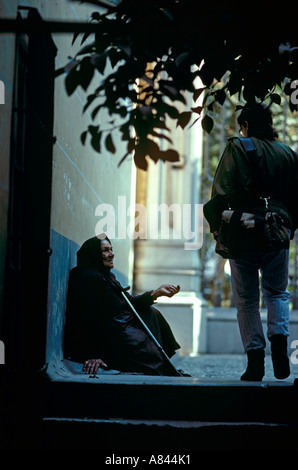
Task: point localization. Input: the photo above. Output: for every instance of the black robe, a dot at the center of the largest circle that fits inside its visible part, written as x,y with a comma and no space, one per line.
100,325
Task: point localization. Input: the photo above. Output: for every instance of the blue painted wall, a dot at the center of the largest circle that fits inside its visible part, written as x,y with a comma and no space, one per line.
62,260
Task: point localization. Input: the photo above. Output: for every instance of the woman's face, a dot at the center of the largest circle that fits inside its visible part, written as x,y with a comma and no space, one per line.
107,254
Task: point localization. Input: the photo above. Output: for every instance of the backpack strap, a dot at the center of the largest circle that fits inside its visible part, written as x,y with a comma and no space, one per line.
261,187
247,143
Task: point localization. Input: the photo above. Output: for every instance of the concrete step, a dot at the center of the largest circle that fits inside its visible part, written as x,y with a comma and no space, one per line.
71,395
147,439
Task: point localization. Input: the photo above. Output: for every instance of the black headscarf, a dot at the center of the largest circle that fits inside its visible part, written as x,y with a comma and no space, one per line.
89,255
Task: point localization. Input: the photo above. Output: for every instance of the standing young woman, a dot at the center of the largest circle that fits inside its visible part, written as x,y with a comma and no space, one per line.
246,188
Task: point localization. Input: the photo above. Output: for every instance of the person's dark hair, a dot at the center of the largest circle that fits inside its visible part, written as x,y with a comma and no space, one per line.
259,118
88,255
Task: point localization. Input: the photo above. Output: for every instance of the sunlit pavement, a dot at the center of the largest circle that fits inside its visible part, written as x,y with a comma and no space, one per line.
226,367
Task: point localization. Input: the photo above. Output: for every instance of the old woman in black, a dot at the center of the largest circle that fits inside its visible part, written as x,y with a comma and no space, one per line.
101,330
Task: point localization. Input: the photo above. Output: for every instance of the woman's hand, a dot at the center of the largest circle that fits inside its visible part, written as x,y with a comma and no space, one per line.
91,366
167,290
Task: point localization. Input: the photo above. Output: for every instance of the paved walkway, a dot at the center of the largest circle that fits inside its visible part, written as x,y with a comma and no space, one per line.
225,366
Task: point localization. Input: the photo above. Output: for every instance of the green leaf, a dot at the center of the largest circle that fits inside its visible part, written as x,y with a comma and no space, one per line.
72,80
71,64
95,111
183,119
140,159
168,88
275,98
287,89
160,136
131,145
95,141
207,123
152,149
182,59
85,36
115,56
87,49
86,73
167,108
83,137
198,93
93,129
220,96
198,109
90,99
124,129
235,83
169,156
75,35
99,61
59,71
95,137
110,144
159,123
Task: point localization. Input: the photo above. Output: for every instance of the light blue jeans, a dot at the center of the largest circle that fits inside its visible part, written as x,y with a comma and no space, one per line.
274,268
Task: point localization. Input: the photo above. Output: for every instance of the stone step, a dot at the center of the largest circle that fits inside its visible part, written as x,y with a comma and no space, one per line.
146,440
71,395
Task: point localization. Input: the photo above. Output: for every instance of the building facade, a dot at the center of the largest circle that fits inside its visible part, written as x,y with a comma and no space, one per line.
57,192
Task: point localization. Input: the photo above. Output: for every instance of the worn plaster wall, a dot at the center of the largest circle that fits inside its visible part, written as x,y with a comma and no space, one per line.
82,181
82,178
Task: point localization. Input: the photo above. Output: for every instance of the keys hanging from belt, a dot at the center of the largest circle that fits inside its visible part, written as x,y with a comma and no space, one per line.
266,199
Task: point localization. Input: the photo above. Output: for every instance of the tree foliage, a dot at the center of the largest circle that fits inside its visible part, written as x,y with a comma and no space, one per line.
149,54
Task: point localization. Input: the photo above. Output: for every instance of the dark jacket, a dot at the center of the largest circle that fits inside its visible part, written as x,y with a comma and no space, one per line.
235,184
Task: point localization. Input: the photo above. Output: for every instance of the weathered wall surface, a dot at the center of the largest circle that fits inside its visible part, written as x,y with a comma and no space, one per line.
82,178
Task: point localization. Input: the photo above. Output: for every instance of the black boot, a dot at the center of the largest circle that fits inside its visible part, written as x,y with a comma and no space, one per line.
256,365
280,360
